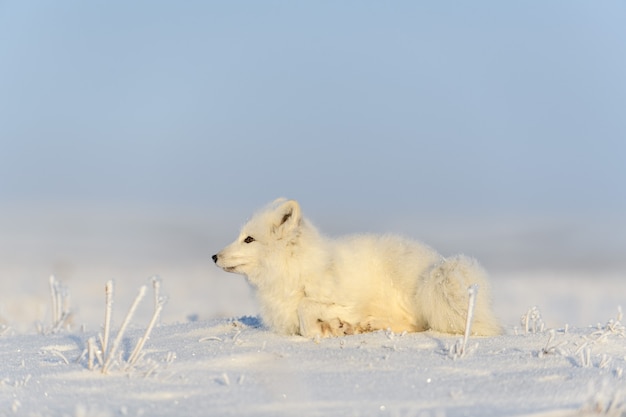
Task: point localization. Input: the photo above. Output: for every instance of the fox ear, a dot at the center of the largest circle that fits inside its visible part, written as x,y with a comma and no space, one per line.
287,217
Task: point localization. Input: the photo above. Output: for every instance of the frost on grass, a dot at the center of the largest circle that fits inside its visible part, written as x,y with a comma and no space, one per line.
613,328
460,348
552,347
532,322
61,314
580,352
104,357
101,353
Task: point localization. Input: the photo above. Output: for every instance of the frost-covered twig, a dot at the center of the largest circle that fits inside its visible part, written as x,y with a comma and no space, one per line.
459,349
108,355
585,357
532,321
120,333
135,354
550,348
613,327
156,286
60,298
108,291
473,293
158,306
91,352
54,295
59,355
605,360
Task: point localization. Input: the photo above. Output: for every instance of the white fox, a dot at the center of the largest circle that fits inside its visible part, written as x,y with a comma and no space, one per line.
313,286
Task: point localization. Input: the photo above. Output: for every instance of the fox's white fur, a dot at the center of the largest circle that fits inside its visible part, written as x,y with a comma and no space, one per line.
311,285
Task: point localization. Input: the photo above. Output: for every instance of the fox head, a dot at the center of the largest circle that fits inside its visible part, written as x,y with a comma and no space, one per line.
262,241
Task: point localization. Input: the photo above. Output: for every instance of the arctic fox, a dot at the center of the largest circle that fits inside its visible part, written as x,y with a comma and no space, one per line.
314,286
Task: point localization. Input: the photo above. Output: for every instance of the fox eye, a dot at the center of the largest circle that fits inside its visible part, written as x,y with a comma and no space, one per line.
249,239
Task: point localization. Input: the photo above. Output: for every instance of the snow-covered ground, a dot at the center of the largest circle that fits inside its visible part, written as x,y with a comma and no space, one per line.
210,355
235,367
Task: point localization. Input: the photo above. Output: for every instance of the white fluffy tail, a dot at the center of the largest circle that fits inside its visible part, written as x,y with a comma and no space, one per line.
444,298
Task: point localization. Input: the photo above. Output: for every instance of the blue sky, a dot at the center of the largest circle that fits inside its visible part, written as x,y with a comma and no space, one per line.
405,107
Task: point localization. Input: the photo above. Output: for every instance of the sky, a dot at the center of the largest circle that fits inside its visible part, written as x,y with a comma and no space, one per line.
495,108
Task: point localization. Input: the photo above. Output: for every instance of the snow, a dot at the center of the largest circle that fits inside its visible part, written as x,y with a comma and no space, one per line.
209,354
236,367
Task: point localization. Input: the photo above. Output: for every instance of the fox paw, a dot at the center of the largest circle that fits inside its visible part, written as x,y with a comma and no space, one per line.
336,327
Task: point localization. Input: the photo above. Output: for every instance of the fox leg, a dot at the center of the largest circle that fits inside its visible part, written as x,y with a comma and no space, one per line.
323,319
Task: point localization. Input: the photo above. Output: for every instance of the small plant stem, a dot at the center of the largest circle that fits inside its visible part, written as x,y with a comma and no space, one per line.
156,285
135,355
472,291
91,352
526,321
55,300
60,355
108,290
120,333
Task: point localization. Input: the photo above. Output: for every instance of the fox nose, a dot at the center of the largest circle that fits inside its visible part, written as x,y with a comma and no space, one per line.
214,258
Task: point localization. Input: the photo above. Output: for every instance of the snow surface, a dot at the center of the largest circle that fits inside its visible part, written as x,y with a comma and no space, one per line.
235,366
